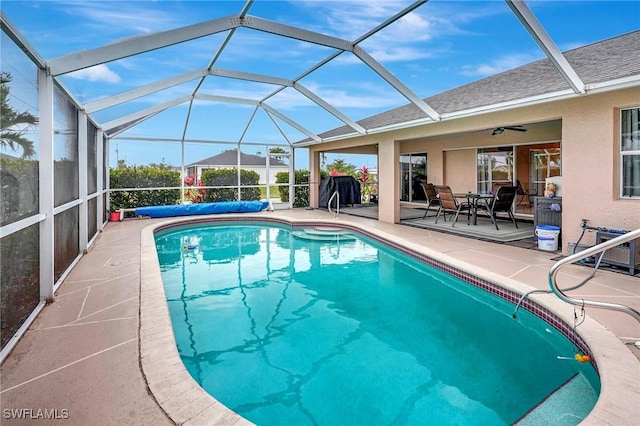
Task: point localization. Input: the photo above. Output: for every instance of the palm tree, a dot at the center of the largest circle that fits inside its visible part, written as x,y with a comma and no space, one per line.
277,150
14,124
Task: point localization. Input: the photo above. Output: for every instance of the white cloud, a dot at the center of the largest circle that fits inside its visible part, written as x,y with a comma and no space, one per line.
96,73
421,34
136,16
358,94
401,53
355,95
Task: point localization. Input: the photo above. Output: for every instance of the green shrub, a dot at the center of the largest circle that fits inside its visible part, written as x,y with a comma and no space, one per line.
156,177
229,177
301,193
143,177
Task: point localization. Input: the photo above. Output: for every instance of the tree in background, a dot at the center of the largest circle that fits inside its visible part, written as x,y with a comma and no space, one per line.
277,150
14,124
341,167
163,165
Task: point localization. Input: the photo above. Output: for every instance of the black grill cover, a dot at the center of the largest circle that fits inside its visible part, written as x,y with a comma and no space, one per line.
347,186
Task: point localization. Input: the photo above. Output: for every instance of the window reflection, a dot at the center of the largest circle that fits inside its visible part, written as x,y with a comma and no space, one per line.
20,278
19,142
65,149
66,245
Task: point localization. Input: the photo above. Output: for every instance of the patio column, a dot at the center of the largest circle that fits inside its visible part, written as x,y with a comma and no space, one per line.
388,192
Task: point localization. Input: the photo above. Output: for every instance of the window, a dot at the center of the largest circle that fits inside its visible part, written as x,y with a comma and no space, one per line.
630,152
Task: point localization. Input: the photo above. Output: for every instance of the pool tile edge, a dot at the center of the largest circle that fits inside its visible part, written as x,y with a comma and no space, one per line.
168,381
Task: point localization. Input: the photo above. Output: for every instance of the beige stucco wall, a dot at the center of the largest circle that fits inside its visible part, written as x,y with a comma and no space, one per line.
590,151
587,127
456,172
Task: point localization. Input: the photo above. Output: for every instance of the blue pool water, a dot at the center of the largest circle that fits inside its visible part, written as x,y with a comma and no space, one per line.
288,330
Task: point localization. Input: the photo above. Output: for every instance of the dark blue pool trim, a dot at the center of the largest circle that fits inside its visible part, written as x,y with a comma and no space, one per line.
541,312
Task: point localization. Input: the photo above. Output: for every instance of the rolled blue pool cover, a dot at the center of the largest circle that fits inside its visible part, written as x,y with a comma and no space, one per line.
202,208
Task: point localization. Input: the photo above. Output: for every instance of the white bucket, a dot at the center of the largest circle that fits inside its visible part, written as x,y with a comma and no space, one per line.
547,237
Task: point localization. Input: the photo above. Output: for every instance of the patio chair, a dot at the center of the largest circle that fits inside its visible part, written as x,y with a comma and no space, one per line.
522,193
449,203
431,196
502,202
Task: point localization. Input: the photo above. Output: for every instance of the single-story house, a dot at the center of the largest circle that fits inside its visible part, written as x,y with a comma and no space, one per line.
531,123
267,167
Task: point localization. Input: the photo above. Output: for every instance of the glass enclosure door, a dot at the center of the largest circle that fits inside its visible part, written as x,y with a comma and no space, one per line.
278,165
494,167
413,171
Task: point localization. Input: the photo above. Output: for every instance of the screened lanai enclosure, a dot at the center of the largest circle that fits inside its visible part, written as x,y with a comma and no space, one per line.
119,105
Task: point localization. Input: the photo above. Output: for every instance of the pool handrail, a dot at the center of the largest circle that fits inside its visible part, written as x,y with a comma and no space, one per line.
335,195
573,287
599,248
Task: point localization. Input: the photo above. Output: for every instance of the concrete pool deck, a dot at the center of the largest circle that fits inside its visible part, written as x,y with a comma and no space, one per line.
102,353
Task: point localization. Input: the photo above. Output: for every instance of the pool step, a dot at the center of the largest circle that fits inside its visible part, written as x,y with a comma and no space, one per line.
566,406
324,234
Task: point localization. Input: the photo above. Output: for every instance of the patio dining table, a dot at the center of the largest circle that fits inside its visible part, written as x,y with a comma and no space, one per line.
473,199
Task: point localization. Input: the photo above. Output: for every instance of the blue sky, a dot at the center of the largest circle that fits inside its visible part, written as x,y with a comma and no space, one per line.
439,46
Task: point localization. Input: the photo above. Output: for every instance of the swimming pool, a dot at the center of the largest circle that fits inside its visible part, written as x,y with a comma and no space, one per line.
282,326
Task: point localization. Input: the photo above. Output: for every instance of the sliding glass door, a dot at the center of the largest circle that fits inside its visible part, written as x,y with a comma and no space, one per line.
544,163
413,171
494,167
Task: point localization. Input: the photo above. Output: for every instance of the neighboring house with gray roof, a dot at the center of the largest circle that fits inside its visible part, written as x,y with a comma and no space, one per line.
229,160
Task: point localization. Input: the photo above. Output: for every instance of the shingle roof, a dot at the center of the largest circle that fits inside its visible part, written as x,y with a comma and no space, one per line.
599,62
230,158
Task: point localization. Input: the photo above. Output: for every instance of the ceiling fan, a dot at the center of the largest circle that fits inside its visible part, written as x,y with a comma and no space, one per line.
500,130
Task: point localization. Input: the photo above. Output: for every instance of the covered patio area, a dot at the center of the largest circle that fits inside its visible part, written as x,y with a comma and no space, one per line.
523,236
